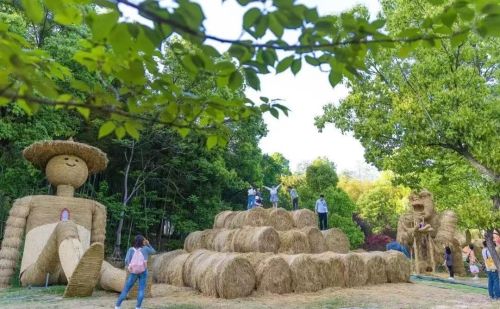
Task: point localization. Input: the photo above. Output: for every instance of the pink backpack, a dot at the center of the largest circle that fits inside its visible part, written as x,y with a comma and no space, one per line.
137,265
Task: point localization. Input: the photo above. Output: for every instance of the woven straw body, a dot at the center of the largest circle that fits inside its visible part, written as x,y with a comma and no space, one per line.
85,277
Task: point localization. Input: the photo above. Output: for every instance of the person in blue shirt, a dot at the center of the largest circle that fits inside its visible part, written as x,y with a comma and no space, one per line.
322,210
141,244
394,245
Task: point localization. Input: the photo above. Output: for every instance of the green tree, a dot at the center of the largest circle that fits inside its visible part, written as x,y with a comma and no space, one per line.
134,89
429,109
383,203
321,175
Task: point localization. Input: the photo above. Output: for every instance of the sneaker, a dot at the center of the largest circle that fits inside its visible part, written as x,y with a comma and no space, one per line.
451,278
116,307
475,278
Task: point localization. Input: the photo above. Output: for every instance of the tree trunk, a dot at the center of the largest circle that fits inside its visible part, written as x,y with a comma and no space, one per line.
489,237
117,254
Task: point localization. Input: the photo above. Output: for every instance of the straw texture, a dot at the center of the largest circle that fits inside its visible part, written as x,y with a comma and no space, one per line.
14,230
280,219
315,239
161,263
293,242
304,217
336,240
40,153
398,267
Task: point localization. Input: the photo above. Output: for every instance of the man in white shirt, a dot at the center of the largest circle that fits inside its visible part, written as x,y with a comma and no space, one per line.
251,197
322,210
295,198
492,272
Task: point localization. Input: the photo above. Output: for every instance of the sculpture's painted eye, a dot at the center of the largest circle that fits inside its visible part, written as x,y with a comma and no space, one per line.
66,159
76,160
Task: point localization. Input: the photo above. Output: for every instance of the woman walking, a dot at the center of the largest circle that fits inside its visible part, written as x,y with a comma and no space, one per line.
448,261
136,262
273,191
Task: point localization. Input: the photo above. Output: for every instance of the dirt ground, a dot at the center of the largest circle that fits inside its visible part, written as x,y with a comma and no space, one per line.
406,295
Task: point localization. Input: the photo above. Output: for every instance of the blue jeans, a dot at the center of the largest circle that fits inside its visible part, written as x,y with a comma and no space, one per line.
143,279
493,284
251,201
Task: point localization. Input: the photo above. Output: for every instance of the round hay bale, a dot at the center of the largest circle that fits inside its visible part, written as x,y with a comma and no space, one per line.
293,242
273,275
304,217
376,267
193,241
356,273
221,218
160,264
200,240
203,272
336,240
256,239
306,275
188,270
253,217
315,238
280,219
398,266
218,274
255,258
237,220
223,241
332,269
175,269
235,277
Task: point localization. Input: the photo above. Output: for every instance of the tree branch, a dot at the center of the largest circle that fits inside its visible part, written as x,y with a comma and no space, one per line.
183,28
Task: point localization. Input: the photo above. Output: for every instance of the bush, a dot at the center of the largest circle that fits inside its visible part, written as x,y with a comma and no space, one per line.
376,242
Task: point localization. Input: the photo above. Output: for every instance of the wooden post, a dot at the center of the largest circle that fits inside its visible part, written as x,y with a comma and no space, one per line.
431,248
417,268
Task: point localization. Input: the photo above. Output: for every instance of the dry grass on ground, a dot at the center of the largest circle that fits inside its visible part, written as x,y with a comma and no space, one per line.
402,295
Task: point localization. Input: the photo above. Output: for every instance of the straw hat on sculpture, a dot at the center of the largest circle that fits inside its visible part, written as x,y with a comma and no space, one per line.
63,235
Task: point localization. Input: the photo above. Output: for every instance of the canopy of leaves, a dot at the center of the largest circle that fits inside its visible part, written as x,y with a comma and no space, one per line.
428,108
133,89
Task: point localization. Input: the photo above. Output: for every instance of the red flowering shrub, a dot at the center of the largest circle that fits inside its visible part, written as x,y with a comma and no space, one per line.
376,242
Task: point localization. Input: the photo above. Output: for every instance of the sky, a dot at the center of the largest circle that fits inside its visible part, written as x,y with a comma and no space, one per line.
295,136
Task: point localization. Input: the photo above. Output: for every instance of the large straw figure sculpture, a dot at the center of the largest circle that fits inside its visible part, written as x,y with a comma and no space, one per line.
64,235
428,232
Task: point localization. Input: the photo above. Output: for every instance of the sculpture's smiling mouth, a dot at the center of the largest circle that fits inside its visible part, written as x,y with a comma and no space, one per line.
72,165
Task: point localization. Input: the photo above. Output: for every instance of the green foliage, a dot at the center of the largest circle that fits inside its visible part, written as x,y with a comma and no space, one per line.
321,175
383,203
432,111
321,178
133,89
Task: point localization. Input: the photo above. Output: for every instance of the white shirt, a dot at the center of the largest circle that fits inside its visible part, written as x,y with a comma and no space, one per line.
321,206
486,255
293,193
251,191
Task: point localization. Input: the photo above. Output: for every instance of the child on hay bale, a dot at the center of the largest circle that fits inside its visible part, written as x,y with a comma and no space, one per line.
136,261
273,191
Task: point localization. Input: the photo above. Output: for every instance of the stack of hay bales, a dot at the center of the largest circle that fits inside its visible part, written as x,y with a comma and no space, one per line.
273,251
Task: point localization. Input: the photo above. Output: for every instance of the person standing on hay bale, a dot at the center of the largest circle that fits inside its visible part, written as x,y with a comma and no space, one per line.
273,191
64,241
295,197
321,209
136,261
251,197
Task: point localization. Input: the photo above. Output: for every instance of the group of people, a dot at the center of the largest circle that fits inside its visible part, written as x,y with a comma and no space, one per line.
254,199
470,257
